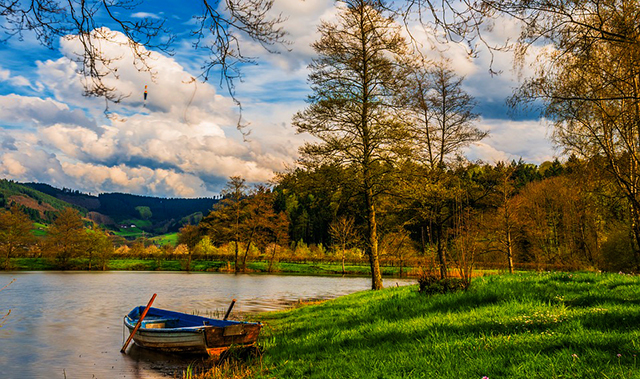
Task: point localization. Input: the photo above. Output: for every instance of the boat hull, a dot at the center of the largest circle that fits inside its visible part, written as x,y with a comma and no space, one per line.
183,333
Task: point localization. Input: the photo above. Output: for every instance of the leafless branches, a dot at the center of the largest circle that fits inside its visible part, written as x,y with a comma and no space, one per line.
220,29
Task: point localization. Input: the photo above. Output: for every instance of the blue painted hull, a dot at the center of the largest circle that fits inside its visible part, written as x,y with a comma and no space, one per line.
185,333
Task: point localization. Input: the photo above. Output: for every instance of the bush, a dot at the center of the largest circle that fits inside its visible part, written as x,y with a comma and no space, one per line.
617,250
430,284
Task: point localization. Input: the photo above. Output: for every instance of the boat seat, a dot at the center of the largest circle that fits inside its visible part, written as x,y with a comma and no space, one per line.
158,323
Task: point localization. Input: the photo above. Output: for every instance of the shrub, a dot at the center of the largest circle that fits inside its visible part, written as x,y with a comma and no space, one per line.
617,250
430,284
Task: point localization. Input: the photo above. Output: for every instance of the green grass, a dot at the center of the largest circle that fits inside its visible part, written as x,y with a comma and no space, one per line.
133,232
32,264
136,222
39,230
552,325
165,239
129,232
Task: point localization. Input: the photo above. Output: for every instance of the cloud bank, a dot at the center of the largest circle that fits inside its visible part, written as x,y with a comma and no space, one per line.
182,141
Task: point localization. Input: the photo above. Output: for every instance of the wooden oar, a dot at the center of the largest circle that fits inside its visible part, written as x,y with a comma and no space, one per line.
142,316
229,310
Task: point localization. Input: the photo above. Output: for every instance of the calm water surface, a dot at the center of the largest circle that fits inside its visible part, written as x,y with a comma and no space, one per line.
70,323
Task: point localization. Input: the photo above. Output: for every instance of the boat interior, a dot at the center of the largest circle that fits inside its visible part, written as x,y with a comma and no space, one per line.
163,319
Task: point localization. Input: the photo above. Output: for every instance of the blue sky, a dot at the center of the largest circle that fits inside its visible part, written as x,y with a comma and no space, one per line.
183,142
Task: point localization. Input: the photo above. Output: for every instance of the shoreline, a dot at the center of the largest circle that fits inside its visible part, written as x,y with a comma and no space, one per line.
257,267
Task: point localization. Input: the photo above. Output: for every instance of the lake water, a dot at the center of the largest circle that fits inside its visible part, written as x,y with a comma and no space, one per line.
69,324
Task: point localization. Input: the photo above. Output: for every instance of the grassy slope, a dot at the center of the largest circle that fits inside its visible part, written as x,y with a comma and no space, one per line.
165,239
9,189
522,326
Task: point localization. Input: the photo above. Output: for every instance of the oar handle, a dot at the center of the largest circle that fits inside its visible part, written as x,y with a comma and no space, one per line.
142,316
233,302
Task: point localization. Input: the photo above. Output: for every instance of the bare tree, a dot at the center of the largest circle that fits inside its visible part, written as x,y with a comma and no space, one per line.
343,232
501,226
352,111
441,116
441,113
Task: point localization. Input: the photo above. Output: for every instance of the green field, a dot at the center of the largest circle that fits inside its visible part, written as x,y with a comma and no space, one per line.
551,325
165,239
134,231
39,230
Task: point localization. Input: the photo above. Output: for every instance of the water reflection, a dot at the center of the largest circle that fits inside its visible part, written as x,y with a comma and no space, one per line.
70,323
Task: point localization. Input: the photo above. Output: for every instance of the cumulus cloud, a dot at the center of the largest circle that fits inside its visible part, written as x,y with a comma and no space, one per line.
181,142
34,111
15,80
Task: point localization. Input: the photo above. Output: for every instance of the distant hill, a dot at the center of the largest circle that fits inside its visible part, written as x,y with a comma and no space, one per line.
156,215
40,206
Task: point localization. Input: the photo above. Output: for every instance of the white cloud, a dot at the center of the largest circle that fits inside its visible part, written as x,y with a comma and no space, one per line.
145,15
15,80
34,111
182,142
510,140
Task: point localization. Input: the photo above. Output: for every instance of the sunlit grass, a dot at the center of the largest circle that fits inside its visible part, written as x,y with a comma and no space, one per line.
552,325
165,239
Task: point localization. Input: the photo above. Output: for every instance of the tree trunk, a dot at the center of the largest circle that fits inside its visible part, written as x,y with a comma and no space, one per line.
343,253
273,255
244,258
509,252
372,243
236,266
442,258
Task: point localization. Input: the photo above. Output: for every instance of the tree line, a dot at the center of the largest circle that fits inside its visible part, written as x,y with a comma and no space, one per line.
509,216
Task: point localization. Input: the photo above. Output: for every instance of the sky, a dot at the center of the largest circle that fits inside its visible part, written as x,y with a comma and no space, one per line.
183,141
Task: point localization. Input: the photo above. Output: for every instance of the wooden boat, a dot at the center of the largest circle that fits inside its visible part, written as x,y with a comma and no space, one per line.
184,333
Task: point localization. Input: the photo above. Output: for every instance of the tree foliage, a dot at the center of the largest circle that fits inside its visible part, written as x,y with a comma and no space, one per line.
67,237
355,80
590,85
15,233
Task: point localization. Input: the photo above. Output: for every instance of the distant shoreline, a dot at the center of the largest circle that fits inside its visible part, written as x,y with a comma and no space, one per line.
257,267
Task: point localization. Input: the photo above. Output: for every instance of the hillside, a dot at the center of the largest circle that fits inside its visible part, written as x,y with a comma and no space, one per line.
132,214
38,205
